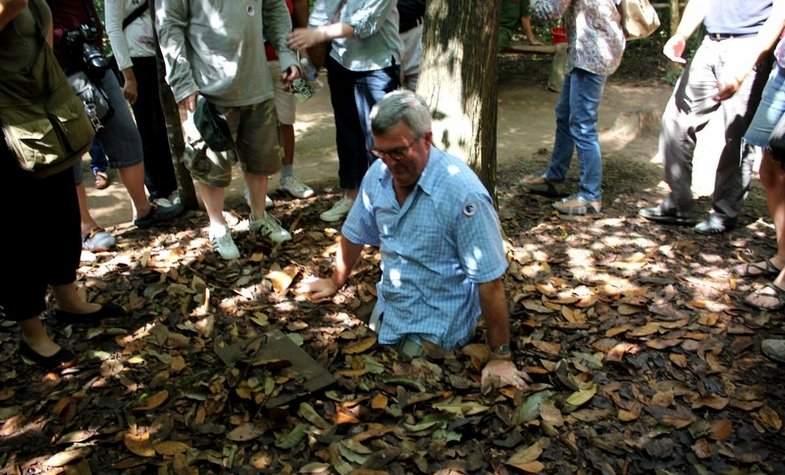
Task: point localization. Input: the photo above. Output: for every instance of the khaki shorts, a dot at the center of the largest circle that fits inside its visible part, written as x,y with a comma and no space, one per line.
255,132
285,104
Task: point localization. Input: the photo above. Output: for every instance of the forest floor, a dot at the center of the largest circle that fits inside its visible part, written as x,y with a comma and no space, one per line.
643,356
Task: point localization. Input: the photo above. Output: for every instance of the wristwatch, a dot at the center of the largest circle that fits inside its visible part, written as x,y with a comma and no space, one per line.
501,352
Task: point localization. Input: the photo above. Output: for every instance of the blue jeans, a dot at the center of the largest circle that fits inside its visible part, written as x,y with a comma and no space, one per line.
353,94
576,127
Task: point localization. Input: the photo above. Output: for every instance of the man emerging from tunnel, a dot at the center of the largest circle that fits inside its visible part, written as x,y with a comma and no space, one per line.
441,247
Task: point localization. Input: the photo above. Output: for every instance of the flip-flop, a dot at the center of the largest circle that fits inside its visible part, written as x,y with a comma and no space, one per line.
768,291
757,269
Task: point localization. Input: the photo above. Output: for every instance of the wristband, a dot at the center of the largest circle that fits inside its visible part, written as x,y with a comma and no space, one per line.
501,352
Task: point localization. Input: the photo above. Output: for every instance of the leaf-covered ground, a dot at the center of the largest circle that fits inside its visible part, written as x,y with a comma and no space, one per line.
643,358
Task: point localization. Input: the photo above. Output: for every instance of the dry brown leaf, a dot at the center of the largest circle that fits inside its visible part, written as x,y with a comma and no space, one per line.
547,347
618,330
6,394
627,310
678,359
617,352
573,316
171,447
525,455
139,443
535,306
715,402
702,449
630,415
478,352
178,364
153,401
551,414
379,402
67,456
282,279
361,346
769,418
721,429
245,432
646,330
662,344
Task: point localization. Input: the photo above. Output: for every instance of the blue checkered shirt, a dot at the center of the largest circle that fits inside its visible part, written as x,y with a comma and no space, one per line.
436,249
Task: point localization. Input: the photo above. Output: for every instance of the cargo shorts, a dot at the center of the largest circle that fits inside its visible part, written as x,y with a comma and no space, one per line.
254,129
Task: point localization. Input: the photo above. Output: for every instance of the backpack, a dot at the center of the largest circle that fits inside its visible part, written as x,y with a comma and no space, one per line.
638,18
43,122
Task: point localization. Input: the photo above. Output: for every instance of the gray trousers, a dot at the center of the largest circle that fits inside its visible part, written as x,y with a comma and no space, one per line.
692,106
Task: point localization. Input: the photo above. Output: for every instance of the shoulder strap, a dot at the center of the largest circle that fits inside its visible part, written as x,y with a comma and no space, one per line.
138,12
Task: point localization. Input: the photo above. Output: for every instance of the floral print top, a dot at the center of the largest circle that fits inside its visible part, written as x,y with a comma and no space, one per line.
596,39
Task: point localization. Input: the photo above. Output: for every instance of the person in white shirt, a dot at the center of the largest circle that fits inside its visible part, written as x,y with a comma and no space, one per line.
129,26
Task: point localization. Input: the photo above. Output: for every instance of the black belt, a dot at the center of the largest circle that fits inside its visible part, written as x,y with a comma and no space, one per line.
728,36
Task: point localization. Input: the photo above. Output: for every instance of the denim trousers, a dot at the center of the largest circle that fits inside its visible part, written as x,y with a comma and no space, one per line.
576,128
353,94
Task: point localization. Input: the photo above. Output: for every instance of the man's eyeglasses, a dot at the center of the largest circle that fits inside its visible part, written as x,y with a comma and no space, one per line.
396,153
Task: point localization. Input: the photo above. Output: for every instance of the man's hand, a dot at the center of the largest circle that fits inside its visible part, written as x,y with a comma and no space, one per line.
131,91
674,48
187,105
317,290
301,38
500,373
291,73
726,88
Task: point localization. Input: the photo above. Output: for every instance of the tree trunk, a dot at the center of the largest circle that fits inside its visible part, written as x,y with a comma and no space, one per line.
675,15
458,80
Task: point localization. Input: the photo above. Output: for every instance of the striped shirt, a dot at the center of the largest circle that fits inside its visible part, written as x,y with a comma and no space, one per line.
436,249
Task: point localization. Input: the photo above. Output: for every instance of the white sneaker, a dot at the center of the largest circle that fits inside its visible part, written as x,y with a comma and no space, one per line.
292,185
268,202
339,210
224,245
269,227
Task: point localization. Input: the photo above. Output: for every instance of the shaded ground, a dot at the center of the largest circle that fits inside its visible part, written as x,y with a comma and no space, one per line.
643,356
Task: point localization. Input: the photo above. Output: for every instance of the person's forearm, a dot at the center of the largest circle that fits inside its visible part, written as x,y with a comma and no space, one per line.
333,31
345,257
10,9
494,311
693,16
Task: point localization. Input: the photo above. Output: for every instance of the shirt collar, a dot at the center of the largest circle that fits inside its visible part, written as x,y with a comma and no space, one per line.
427,181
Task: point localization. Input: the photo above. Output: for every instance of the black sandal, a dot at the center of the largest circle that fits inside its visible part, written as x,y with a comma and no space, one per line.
758,269
769,291
107,310
59,359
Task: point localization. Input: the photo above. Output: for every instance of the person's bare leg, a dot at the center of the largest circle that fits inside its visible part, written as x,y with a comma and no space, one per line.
133,180
213,199
87,221
35,335
526,22
287,140
772,177
68,299
257,188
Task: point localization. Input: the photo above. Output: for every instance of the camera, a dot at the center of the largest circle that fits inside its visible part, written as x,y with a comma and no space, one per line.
81,44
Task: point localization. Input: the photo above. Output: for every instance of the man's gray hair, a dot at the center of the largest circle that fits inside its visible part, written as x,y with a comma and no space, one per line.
397,106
